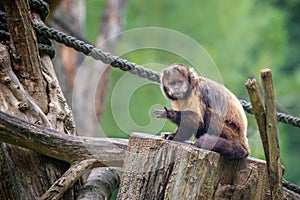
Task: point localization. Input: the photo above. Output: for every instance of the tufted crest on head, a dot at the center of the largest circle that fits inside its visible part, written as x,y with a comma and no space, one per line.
186,71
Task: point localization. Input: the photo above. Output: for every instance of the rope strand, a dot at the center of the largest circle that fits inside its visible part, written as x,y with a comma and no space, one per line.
291,186
281,117
97,53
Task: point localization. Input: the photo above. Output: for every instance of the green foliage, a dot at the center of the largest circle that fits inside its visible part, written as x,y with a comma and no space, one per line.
242,37
94,10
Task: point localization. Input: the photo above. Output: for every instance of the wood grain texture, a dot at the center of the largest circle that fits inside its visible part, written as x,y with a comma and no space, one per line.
152,168
156,169
68,179
259,113
27,65
69,148
23,93
101,183
274,166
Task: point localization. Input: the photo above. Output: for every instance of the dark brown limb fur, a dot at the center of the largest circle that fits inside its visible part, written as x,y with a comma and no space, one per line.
189,124
227,147
187,121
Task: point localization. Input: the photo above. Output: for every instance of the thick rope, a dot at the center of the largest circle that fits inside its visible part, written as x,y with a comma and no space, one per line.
281,117
40,7
291,186
44,44
97,53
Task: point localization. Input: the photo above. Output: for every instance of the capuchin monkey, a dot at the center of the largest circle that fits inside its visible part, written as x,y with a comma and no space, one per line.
205,109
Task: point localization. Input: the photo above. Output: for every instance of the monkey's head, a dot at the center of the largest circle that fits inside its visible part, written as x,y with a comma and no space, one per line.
176,81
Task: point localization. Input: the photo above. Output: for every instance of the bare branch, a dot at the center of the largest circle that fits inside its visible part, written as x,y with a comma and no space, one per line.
107,152
67,180
101,183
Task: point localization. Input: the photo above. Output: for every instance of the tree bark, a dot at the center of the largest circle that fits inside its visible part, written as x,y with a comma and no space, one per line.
69,148
274,166
259,113
152,168
100,184
156,169
29,89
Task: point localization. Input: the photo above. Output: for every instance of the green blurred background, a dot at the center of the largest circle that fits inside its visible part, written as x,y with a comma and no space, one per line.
241,36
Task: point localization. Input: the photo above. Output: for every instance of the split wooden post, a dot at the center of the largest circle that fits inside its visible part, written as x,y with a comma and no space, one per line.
267,123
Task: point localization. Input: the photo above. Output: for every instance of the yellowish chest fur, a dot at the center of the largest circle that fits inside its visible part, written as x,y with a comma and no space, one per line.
192,103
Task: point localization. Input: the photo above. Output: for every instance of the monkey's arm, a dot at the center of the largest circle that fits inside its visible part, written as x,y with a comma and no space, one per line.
187,121
227,147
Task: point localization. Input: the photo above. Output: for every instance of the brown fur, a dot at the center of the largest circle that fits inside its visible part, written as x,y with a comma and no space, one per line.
217,111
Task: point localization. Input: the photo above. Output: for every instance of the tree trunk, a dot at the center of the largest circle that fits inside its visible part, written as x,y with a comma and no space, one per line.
156,169
29,89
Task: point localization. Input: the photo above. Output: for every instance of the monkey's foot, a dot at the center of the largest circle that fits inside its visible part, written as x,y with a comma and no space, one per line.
167,135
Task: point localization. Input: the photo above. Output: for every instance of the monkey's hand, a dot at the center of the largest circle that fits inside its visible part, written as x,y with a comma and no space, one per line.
161,113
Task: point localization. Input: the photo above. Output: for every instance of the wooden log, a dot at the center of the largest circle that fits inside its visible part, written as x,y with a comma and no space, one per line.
159,169
69,148
101,183
68,179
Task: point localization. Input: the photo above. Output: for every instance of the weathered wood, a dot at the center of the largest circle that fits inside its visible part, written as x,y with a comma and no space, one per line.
151,165
69,148
156,169
101,183
259,113
29,90
67,180
274,166
27,61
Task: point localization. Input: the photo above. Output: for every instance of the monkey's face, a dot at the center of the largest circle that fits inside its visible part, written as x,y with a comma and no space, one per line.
175,82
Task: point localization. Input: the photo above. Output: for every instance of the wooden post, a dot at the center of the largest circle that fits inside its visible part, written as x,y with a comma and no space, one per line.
274,166
259,113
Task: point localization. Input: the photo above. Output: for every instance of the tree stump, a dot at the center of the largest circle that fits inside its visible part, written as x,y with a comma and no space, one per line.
160,169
